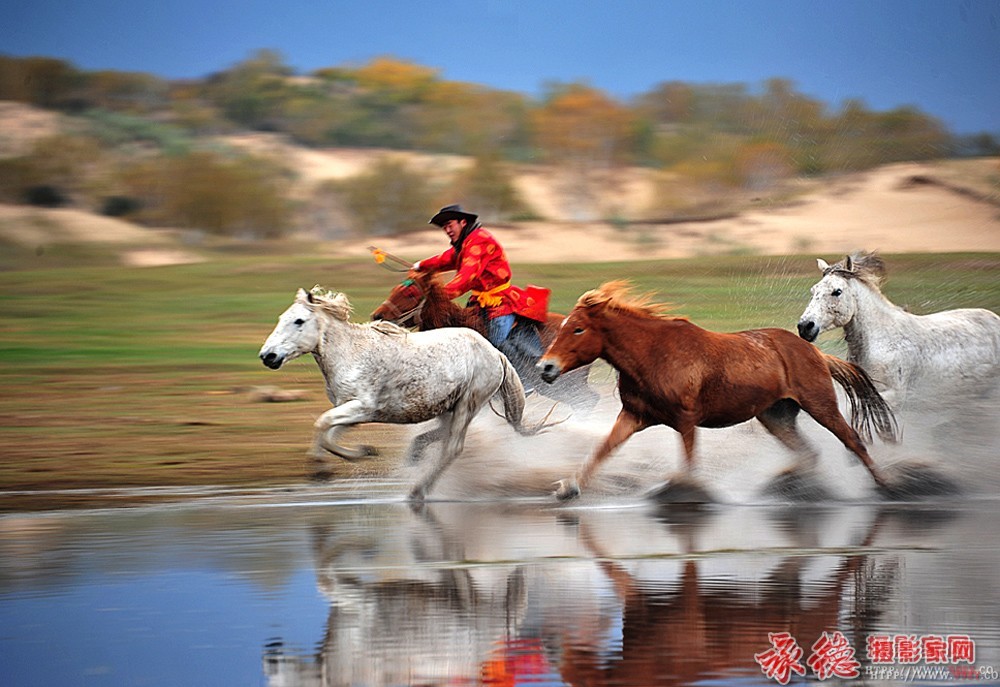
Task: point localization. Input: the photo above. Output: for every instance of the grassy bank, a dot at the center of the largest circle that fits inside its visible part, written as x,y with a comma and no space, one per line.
117,377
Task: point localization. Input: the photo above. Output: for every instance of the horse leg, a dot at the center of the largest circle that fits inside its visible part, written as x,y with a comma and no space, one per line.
798,482
780,421
454,429
334,422
420,442
625,426
825,411
683,488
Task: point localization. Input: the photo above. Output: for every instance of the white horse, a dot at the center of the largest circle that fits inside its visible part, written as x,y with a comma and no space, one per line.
954,349
379,372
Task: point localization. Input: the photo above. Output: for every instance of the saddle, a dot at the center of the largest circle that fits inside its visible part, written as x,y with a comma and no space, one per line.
531,303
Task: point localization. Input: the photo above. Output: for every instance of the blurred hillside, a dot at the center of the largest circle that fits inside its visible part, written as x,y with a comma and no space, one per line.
259,152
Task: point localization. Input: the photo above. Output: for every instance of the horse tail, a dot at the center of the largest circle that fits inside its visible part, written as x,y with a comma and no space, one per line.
512,393
868,409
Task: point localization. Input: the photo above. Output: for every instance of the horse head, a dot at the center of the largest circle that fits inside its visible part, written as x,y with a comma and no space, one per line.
421,301
577,343
300,327
833,302
406,300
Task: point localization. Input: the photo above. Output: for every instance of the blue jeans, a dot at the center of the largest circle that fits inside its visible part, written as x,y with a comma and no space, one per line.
498,329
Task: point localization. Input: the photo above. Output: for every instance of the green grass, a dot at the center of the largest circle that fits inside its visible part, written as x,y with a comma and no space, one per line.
118,376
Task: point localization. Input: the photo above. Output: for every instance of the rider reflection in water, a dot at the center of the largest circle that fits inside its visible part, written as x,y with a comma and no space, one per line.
481,267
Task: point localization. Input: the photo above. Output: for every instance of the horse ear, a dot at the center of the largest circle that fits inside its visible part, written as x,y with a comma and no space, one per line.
823,264
848,263
301,295
599,306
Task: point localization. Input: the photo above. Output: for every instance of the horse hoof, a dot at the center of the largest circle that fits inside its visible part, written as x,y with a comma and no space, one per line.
363,452
417,496
797,486
680,491
321,475
918,481
566,490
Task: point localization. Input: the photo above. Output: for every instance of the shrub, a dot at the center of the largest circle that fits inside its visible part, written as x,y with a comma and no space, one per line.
120,206
44,196
203,190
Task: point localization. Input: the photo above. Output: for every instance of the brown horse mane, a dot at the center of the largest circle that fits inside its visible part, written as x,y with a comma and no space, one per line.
868,268
441,306
619,296
435,287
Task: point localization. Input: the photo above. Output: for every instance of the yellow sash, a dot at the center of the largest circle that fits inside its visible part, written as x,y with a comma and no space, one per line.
491,298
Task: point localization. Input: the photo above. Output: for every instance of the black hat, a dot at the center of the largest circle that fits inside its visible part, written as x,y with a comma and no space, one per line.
450,212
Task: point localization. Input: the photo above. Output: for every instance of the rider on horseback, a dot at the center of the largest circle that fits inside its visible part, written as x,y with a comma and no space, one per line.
481,267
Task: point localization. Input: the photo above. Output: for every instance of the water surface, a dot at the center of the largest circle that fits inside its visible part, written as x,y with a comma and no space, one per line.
350,586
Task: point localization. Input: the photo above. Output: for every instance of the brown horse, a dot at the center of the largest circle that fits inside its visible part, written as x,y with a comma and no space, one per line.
420,301
674,373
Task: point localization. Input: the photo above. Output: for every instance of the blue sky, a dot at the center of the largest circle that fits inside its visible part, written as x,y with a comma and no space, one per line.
942,56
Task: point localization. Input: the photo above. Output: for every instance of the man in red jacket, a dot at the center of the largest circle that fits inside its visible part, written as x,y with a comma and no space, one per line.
481,267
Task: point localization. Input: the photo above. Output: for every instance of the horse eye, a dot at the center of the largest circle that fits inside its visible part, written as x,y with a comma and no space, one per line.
837,292
578,330
299,322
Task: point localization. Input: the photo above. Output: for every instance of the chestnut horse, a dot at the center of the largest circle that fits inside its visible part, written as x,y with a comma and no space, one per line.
420,301
674,373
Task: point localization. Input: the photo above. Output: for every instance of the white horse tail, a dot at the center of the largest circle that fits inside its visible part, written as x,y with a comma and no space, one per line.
868,409
512,393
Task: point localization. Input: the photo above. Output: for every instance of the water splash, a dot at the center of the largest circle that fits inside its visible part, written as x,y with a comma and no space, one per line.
954,443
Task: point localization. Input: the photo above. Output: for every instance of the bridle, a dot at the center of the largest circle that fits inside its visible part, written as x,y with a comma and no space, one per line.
401,316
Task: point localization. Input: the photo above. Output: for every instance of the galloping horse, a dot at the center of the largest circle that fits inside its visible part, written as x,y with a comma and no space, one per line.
420,301
674,373
953,348
382,373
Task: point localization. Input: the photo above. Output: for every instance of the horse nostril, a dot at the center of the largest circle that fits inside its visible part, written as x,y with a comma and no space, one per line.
549,371
377,316
807,329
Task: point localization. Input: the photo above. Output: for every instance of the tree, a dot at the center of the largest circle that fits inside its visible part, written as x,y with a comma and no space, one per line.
251,93
580,125
41,81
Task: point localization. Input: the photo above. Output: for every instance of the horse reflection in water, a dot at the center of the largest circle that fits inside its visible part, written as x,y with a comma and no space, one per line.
447,595
713,628
403,609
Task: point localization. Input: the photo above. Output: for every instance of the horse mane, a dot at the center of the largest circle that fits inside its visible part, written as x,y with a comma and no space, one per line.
434,284
618,295
331,302
868,268
387,327
335,304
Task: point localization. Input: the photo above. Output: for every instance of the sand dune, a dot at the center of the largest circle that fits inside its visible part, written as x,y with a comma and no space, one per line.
956,207
874,210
